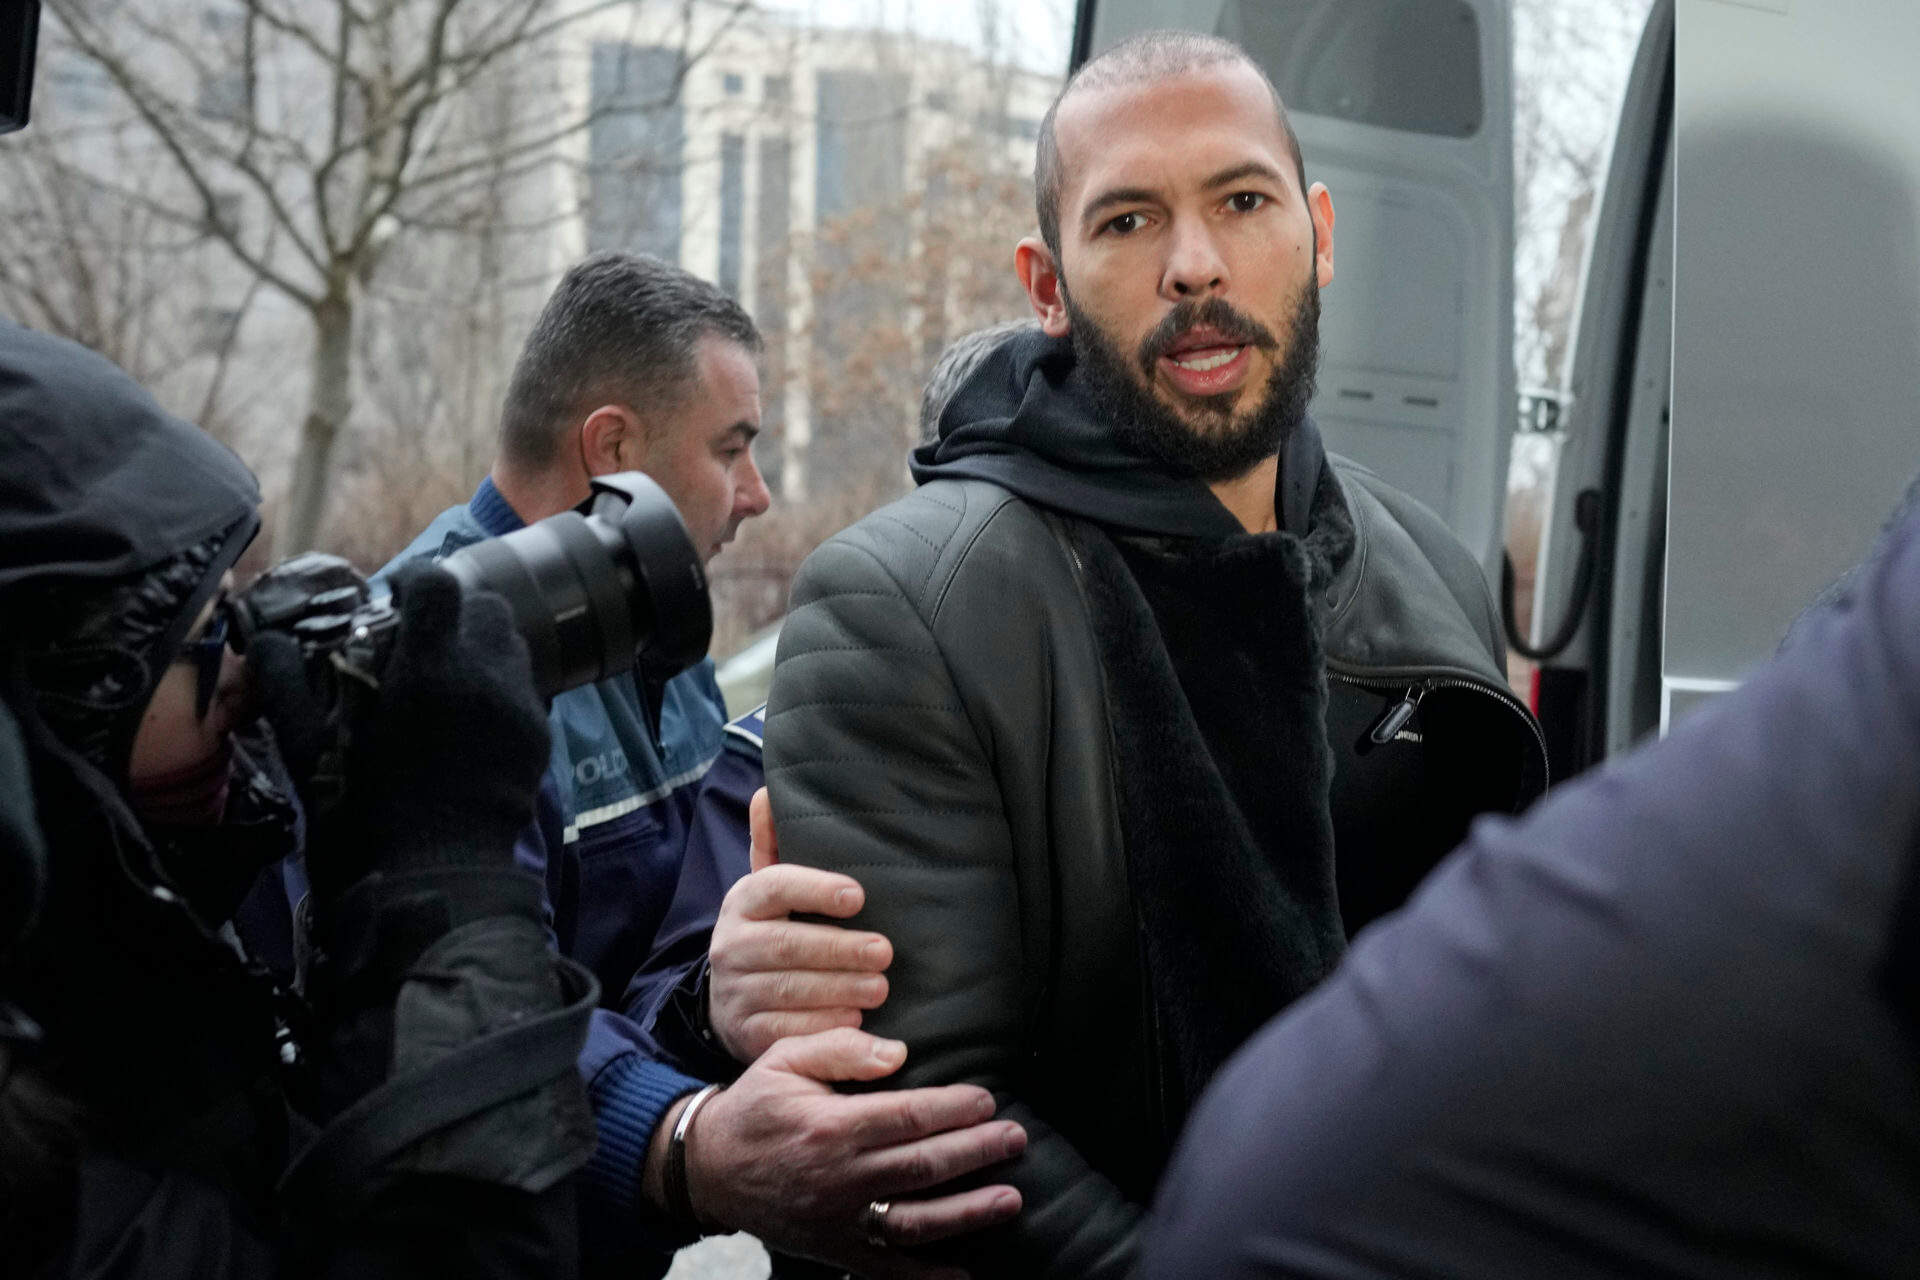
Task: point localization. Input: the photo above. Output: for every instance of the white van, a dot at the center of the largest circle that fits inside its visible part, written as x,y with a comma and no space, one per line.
1743,404
1747,380
1743,408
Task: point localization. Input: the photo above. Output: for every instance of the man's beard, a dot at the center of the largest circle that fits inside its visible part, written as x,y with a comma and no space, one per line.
1223,443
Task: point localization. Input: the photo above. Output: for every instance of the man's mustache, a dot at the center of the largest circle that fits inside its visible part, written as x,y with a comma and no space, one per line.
1215,313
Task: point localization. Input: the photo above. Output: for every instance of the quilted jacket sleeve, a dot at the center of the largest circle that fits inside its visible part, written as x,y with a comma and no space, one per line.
888,760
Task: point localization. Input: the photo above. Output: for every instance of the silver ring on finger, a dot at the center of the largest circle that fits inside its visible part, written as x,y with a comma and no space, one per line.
874,1222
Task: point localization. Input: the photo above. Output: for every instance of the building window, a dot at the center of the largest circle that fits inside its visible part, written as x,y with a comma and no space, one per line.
859,192
777,90
772,231
735,85
861,144
635,143
733,199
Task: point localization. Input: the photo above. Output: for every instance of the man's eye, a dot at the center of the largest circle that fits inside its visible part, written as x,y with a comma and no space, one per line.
1246,201
1124,225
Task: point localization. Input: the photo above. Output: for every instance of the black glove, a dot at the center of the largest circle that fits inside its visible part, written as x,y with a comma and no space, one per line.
445,1033
443,762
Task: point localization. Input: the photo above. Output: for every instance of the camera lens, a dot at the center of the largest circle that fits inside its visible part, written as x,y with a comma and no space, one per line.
594,595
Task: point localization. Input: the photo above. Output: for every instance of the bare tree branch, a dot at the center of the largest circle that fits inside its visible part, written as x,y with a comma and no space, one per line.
168,132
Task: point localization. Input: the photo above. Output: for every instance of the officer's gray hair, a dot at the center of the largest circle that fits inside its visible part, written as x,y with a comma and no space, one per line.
620,328
956,364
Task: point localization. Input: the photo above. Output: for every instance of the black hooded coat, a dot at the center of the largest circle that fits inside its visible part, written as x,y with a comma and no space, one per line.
163,1037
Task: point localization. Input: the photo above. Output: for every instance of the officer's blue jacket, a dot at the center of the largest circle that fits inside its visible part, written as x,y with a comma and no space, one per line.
665,995
612,821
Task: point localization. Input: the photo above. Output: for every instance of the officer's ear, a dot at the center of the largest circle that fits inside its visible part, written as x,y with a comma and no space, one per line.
612,439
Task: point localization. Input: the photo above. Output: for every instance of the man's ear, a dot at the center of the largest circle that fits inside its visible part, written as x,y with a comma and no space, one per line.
612,439
1039,274
1320,209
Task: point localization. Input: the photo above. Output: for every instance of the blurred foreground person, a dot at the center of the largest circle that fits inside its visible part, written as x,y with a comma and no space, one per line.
1667,1025
178,1111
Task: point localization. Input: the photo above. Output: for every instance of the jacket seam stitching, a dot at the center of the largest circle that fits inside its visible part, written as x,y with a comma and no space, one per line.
898,706
883,813
801,764
1361,549
961,557
864,648
845,595
896,520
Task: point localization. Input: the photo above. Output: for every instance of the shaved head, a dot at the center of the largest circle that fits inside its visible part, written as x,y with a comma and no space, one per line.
1141,59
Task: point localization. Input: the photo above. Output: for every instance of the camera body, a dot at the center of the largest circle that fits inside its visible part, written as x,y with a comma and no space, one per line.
19,38
329,607
594,593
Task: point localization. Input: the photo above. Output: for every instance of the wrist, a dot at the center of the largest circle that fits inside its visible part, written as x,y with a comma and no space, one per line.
665,1177
653,1169
705,1026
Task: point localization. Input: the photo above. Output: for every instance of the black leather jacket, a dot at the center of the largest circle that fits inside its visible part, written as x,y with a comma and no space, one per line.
938,728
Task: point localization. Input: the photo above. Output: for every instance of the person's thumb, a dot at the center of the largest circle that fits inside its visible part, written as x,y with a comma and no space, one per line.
844,1053
428,600
765,850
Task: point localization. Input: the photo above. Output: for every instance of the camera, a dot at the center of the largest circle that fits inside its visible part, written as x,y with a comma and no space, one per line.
19,37
593,594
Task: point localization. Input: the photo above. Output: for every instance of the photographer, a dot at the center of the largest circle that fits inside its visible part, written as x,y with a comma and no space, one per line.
182,1112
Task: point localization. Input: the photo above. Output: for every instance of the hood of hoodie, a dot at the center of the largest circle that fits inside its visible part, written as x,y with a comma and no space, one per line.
117,522
1023,422
97,481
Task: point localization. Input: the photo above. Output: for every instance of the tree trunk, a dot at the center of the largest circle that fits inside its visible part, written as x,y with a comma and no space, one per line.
328,403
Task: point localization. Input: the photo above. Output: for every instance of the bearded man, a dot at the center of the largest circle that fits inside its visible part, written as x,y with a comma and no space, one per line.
1090,712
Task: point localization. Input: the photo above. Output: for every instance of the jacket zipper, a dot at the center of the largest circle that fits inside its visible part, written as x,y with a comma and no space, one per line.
1402,711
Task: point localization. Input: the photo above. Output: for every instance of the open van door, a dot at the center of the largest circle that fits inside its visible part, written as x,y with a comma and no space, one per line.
1599,583
1774,307
1405,110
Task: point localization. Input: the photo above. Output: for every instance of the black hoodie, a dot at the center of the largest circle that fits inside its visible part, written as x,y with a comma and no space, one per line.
117,522
97,481
1211,641
1020,422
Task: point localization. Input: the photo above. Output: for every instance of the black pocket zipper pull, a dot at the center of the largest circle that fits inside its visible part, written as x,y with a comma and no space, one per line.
1396,718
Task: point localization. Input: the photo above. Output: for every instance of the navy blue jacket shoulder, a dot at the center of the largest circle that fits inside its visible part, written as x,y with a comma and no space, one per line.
665,995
